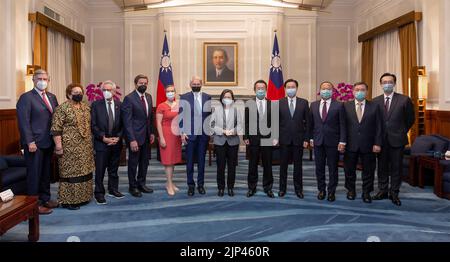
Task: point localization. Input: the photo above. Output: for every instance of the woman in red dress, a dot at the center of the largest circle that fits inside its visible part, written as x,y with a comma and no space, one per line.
169,136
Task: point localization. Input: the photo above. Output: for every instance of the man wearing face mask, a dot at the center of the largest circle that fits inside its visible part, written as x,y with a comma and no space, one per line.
329,138
364,138
256,136
195,108
139,134
34,114
294,127
107,129
398,117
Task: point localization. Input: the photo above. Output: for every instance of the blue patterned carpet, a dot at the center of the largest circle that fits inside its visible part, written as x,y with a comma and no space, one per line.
158,217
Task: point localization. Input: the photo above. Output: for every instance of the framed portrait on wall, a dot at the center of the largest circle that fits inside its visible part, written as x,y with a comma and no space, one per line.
220,63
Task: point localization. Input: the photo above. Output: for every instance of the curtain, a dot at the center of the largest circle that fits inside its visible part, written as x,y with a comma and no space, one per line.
59,63
40,47
386,58
367,65
408,47
76,62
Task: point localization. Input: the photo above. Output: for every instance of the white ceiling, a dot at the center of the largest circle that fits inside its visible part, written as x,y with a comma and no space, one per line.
303,4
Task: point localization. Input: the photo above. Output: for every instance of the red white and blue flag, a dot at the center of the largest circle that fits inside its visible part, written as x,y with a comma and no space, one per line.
165,74
275,90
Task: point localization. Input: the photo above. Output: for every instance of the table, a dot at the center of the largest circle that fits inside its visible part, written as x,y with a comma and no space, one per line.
426,162
16,211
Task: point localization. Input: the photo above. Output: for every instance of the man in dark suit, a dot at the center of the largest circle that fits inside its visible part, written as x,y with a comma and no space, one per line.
107,129
294,136
220,72
258,137
195,107
364,137
398,115
139,134
329,138
34,115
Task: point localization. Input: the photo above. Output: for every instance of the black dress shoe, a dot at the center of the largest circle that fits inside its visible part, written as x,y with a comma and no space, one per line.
230,192
299,194
100,199
251,192
351,195
395,200
201,190
71,207
380,196
366,198
270,194
135,192
321,195
116,194
145,189
331,197
220,193
191,191
281,193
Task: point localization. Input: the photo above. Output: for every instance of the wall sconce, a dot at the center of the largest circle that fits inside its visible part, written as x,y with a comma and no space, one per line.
29,77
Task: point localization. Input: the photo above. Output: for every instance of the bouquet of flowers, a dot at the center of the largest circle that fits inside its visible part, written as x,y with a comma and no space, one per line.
94,92
343,92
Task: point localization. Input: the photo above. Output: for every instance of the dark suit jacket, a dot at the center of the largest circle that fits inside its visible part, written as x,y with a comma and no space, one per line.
294,129
34,119
255,138
99,123
363,136
137,125
333,130
398,120
226,76
187,121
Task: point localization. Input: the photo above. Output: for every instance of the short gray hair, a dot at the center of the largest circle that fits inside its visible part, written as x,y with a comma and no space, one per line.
196,78
109,82
40,72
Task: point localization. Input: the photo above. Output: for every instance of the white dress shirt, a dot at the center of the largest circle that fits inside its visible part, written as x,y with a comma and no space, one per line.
198,98
145,99
263,103
219,72
294,100
390,100
363,106
40,94
322,104
112,107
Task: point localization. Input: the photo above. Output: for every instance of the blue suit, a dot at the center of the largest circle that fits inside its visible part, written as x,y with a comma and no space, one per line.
197,141
34,120
138,126
106,156
327,135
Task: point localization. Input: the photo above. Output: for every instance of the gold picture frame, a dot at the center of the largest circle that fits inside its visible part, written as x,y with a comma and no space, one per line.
220,63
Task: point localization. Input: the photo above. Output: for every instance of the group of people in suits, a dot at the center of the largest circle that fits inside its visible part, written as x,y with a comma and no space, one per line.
359,130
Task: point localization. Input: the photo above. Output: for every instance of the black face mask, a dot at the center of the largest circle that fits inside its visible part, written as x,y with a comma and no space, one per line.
196,89
77,98
141,89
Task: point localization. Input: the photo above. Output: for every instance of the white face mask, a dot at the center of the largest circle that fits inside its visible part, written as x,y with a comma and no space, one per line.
41,85
107,95
227,101
170,96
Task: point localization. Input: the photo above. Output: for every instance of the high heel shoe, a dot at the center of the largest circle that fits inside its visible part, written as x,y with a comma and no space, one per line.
170,191
175,188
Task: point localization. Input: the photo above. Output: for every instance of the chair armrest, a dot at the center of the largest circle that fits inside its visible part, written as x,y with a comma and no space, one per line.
15,161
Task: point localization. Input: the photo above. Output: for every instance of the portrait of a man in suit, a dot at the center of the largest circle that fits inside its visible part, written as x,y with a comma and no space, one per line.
220,64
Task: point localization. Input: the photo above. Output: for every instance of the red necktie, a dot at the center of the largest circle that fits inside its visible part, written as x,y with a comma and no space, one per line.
324,111
47,104
143,104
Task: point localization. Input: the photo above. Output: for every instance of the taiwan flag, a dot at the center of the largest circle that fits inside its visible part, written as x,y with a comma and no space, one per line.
165,74
275,90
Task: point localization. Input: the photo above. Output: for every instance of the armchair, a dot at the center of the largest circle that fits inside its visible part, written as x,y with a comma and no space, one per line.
13,174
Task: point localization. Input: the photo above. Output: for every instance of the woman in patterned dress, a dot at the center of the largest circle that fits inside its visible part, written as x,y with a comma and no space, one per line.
71,129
